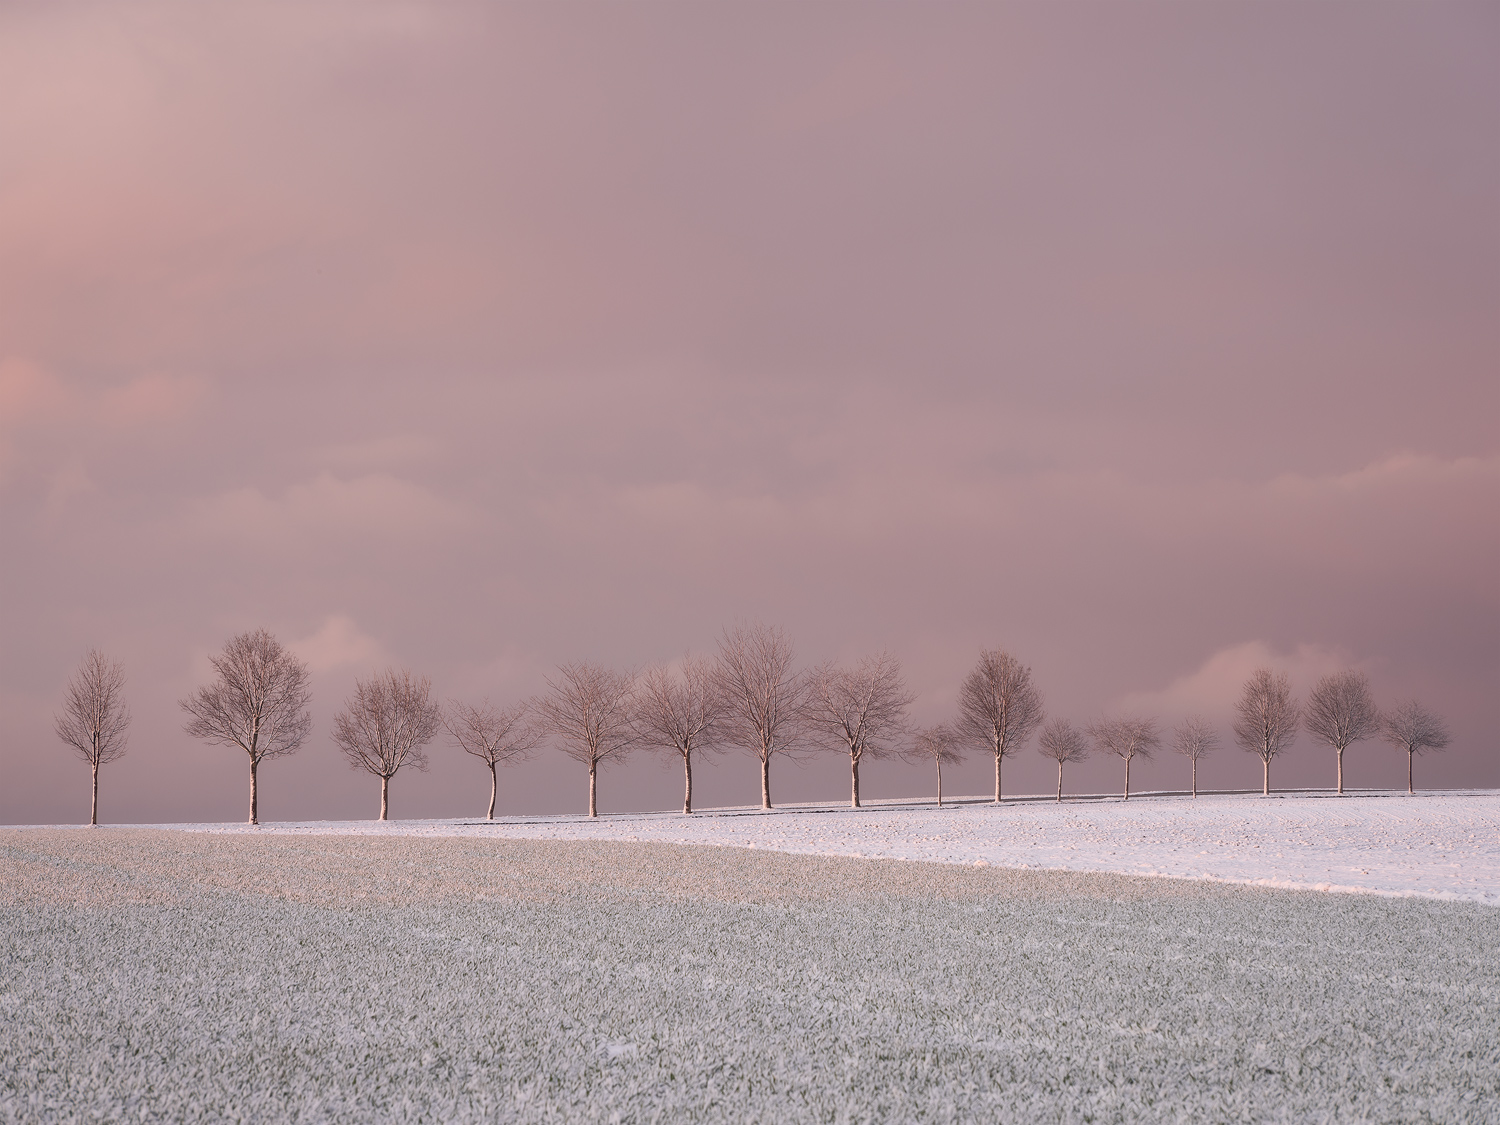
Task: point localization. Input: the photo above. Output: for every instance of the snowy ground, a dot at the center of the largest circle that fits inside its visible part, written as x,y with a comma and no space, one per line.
150,975
1433,845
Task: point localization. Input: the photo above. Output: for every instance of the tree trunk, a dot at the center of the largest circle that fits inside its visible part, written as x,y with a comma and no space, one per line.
254,805
1127,779
593,789
1265,780
494,785
765,782
1340,755
687,783
854,777
1195,779
1059,783
998,759
385,790
94,808
939,763
1409,756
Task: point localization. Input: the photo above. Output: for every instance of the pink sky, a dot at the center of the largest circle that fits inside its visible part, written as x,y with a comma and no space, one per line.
1151,342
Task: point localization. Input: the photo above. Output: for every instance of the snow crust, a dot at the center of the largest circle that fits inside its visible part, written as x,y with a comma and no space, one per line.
1432,845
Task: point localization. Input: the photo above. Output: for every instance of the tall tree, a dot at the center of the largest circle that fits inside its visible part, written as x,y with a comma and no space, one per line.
860,711
1061,741
1413,728
385,724
94,718
763,694
1195,738
1266,718
998,707
939,745
1126,738
1341,712
258,702
588,710
681,712
495,735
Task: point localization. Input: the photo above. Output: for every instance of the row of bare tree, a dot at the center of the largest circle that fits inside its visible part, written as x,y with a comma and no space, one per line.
750,695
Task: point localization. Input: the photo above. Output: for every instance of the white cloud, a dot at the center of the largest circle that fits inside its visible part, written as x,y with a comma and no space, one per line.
1213,687
337,643
377,503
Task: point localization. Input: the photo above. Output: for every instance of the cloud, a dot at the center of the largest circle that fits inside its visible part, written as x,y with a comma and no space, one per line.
374,504
339,642
1214,686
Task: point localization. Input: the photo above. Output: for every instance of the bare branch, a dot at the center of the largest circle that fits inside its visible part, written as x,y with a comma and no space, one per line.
588,712
94,718
681,712
1340,712
939,745
1063,743
763,696
1195,738
1266,718
999,707
495,735
258,702
859,711
1126,738
1413,728
385,725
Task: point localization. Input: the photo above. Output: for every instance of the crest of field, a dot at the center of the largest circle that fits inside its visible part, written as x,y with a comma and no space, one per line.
195,976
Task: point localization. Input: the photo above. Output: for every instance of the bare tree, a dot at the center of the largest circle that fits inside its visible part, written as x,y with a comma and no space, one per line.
1061,741
495,735
1341,712
1413,728
1195,738
763,696
681,712
938,745
588,711
1266,718
999,707
94,717
385,724
1126,738
860,711
258,702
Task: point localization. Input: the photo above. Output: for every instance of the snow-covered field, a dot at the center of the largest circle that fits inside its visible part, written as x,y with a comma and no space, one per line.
1437,845
445,972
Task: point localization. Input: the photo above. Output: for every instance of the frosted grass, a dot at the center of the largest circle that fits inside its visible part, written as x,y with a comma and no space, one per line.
167,976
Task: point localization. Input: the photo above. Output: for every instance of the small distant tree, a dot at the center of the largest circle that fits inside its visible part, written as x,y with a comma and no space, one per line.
588,711
763,695
1340,712
1126,738
94,718
1195,738
860,711
385,724
939,745
258,702
681,712
999,707
1061,741
1266,719
495,735
1413,728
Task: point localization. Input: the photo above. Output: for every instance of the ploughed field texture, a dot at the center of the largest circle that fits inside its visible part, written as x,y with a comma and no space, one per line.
170,976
